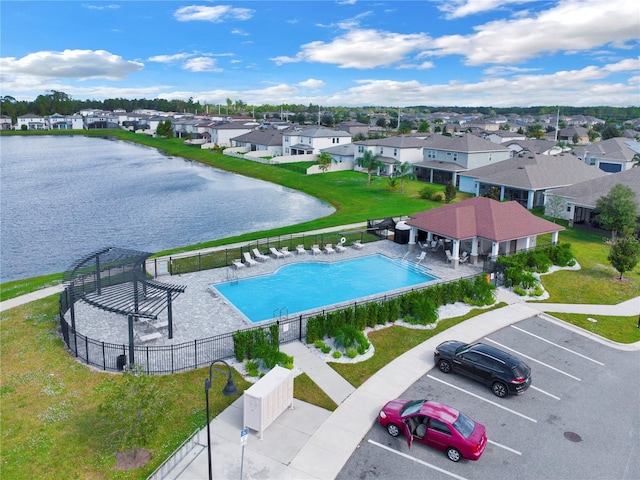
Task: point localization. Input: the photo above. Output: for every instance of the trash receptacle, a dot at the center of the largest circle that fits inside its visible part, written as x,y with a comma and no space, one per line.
121,361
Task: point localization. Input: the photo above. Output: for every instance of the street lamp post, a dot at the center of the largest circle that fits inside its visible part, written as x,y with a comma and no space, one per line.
228,390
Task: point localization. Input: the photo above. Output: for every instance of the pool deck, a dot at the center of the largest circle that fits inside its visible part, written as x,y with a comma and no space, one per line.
200,313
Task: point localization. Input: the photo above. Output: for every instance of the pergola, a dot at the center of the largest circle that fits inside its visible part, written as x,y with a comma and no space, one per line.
113,279
488,227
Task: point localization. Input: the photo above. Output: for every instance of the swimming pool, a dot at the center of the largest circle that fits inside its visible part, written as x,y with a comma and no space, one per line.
298,287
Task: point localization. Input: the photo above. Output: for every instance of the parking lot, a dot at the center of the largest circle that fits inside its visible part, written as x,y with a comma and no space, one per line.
579,420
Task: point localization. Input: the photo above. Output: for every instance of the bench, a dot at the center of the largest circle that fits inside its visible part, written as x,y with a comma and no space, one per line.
150,337
160,324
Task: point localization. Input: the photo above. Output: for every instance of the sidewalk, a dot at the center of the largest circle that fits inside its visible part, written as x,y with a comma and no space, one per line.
320,452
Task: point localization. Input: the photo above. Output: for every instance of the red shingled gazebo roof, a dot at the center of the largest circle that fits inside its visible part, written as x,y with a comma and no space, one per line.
482,217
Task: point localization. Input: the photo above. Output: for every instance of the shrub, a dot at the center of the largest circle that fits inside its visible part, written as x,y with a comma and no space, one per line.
325,348
519,290
437,197
426,192
336,354
252,368
424,310
351,353
318,344
346,337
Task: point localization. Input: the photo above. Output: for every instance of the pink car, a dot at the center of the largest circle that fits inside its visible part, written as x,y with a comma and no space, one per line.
436,425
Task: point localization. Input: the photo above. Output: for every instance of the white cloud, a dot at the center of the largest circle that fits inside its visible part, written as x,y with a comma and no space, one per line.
312,83
77,64
110,6
215,14
169,58
360,49
201,64
572,26
463,8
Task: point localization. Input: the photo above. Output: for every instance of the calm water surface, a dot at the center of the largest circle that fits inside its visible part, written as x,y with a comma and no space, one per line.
62,198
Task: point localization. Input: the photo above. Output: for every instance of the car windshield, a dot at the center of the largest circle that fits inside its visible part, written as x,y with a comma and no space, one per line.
464,425
463,349
412,407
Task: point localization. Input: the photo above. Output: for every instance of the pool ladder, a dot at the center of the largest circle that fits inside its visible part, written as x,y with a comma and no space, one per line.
232,275
279,311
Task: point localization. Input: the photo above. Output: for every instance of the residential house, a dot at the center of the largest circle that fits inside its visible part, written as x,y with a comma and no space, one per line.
343,155
574,135
31,122
65,122
222,133
400,148
503,136
267,142
612,155
578,201
312,140
353,127
444,157
541,147
5,122
526,177
482,227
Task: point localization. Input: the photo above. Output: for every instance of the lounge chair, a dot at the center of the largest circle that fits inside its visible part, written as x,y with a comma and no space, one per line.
259,256
423,246
357,244
435,245
276,254
421,257
237,263
300,250
329,248
464,257
340,248
449,256
248,261
285,251
315,249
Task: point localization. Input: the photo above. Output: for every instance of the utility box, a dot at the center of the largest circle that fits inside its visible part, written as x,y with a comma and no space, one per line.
268,398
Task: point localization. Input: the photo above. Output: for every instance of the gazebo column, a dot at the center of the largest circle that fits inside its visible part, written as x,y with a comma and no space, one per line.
473,259
413,233
530,196
527,243
554,237
455,253
495,248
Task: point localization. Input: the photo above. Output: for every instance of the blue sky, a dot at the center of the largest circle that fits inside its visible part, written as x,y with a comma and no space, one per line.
497,53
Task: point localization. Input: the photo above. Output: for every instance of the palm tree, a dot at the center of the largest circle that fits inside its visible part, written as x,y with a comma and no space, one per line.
324,161
402,171
369,161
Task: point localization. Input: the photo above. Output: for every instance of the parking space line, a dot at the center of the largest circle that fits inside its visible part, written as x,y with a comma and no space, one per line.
483,399
441,470
503,446
520,354
559,346
533,387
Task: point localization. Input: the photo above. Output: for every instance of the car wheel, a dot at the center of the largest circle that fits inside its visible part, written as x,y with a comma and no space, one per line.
500,389
393,429
444,366
453,454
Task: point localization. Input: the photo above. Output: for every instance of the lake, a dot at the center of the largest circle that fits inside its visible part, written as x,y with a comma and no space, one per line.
63,197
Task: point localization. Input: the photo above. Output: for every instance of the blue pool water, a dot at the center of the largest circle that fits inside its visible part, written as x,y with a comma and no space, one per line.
298,287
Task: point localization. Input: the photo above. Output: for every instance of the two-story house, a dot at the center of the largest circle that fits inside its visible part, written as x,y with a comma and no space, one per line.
612,155
30,121
221,133
5,122
312,140
444,157
392,150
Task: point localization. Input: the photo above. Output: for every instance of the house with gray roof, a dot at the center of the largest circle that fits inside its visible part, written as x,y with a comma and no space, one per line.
573,133
312,140
578,201
398,148
5,122
353,127
221,133
444,157
525,178
267,142
612,155
542,147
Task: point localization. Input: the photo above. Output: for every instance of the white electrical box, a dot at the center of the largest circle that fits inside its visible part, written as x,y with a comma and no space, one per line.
265,400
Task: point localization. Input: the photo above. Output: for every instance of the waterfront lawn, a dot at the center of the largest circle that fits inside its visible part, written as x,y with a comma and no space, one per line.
21,287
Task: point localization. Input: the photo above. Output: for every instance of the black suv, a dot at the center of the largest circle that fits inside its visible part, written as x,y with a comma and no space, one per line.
504,373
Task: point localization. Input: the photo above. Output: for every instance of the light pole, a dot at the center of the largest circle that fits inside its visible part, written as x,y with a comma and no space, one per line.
228,390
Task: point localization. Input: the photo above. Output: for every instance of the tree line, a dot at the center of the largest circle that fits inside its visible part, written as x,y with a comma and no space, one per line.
55,101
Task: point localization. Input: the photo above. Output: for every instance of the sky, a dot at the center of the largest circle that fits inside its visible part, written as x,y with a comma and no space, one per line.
353,53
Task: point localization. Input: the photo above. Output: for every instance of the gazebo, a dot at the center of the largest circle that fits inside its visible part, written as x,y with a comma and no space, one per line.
481,226
113,279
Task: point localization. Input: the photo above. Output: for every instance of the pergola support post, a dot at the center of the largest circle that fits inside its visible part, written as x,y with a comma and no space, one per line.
131,349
